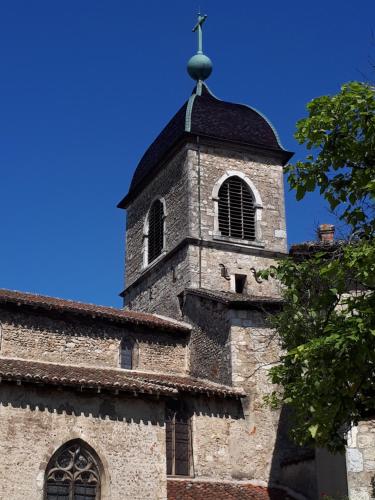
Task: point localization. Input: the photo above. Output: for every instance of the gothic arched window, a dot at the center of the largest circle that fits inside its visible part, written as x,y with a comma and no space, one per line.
155,233
72,474
236,211
128,354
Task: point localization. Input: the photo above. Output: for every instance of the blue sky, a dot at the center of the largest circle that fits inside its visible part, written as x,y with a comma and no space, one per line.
87,85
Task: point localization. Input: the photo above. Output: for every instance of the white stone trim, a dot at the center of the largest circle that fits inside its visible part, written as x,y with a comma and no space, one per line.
146,229
258,204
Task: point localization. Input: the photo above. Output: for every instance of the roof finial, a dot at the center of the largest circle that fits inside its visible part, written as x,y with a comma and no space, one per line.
199,66
198,27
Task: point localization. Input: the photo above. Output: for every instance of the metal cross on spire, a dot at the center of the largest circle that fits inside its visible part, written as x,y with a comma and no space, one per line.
198,27
199,66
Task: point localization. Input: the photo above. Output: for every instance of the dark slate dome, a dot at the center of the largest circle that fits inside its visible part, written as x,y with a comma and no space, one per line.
206,116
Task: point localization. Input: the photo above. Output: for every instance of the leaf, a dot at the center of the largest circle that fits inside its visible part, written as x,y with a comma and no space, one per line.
310,184
313,429
300,193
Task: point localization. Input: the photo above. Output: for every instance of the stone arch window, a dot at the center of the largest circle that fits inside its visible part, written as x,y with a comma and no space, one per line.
237,208
73,473
129,351
154,233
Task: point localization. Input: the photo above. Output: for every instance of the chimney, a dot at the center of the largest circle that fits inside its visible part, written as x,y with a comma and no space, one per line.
326,233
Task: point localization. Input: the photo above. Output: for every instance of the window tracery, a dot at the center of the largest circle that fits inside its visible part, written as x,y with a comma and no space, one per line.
72,474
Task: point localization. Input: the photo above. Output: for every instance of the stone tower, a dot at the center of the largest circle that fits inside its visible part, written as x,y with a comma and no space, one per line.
214,179
205,209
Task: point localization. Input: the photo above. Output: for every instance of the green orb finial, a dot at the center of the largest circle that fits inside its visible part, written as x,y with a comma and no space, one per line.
199,66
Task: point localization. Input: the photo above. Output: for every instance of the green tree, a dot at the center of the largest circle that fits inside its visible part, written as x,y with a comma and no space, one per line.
327,372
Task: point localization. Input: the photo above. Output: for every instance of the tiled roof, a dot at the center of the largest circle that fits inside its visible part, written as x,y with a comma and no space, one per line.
208,117
76,376
122,316
202,490
235,300
191,384
307,248
20,370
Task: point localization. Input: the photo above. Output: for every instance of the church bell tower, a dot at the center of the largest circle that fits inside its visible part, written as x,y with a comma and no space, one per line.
205,208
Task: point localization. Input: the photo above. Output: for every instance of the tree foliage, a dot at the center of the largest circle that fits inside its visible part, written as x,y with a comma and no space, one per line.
340,134
327,325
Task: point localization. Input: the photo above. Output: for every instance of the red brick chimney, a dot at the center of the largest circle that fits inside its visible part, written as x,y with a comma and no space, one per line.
326,233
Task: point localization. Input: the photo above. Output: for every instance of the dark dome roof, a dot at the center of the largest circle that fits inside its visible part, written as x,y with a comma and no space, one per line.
205,115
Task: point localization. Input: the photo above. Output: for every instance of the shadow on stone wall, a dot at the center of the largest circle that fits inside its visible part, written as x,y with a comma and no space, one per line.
94,406
292,466
310,472
219,408
142,409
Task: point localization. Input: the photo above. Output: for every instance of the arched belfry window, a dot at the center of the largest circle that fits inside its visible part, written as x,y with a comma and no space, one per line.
73,474
129,354
155,232
236,210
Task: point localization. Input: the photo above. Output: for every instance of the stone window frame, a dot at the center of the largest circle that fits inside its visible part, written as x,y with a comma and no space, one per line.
73,470
145,262
258,207
134,352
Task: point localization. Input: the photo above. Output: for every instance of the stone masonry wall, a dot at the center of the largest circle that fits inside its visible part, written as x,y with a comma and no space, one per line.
127,434
158,291
37,337
171,184
236,346
209,344
360,461
236,263
254,349
213,423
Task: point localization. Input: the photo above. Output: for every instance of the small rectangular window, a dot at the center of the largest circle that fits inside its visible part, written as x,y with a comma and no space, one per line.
126,358
240,283
128,354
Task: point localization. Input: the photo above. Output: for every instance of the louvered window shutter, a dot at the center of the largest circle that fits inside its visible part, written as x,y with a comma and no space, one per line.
155,230
236,210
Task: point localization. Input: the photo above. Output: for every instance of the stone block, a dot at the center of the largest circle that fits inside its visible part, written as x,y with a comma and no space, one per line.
365,440
354,460
359,494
